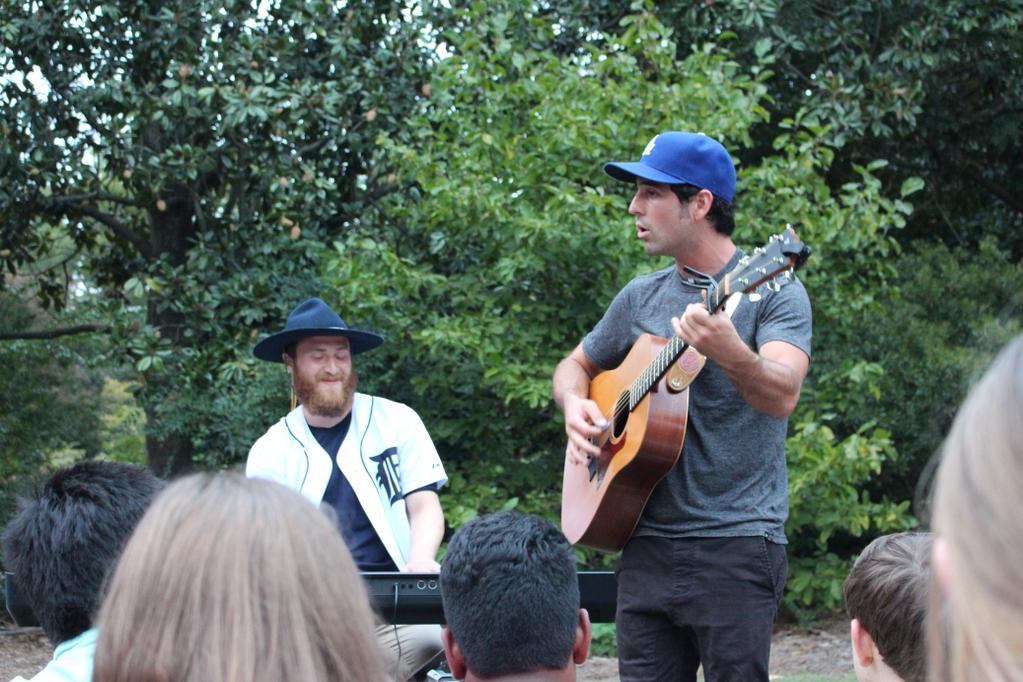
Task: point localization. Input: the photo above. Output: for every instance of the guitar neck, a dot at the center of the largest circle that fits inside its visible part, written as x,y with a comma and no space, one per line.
671,352
782,252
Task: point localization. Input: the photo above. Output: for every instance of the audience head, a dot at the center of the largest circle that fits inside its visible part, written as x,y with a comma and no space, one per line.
235,579
886,597
511,599
976,615
67,536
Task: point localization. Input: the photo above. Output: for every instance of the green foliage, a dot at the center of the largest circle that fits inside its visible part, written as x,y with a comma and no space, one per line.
952,310
58,403
122,423
49,396
871,70
604,642
828,503
255,395
187,155
922,342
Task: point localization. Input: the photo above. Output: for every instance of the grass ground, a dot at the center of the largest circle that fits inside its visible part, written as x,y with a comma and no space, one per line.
817,654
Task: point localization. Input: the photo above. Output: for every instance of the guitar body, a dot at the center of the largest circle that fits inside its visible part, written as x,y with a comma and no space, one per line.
601,503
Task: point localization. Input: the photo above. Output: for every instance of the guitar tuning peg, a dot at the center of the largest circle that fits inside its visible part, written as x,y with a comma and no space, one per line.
754,297
774,285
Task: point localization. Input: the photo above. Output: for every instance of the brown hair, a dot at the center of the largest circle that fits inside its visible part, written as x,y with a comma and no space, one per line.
886,591
721,214
240,580
976,620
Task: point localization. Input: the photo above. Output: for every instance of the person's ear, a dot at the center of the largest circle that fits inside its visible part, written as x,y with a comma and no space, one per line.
453,652
583,636
862,644
700,203
941,559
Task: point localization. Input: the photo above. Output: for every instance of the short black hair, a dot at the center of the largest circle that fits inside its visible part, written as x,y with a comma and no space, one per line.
510,594
887,591
67,536
721,214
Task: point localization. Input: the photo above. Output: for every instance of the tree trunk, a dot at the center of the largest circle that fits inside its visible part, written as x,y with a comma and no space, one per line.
168,457
172,231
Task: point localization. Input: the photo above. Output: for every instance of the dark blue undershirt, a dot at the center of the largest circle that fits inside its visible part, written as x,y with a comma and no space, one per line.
363,542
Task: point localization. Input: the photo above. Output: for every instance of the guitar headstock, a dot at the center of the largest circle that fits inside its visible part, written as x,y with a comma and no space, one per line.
782,252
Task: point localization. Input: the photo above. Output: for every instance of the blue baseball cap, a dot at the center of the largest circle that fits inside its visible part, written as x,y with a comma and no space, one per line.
681,158
313,317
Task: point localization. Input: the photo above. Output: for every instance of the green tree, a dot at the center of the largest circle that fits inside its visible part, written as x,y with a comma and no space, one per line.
49,401
931,359
186,155
934,87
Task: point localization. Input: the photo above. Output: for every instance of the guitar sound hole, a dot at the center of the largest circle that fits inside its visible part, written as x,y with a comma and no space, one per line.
621,417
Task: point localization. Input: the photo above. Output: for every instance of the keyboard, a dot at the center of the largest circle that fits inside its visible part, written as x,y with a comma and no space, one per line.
414,598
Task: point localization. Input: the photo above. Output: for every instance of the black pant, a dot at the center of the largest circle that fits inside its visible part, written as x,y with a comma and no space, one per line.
687,601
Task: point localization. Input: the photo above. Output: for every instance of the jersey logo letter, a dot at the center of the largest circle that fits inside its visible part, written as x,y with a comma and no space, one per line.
387,473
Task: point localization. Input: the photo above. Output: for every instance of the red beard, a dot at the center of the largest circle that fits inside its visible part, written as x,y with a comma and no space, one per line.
326,400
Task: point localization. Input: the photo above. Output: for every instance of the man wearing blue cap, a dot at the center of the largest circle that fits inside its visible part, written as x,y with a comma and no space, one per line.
700,580
369,458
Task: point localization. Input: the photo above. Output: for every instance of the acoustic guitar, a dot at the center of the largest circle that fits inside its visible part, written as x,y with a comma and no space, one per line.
646,399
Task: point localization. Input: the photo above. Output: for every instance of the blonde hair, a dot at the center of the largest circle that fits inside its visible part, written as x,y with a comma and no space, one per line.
976,622
239,580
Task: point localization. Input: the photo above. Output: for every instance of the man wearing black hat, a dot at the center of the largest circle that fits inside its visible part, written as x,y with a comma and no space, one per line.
700,579
369,458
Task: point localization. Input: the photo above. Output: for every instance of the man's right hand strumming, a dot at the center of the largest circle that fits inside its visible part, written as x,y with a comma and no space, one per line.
583,418
583,421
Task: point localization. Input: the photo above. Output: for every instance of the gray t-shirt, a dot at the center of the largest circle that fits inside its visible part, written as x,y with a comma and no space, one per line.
731,478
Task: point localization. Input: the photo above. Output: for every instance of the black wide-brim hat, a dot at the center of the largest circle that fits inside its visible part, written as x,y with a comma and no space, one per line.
313,318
